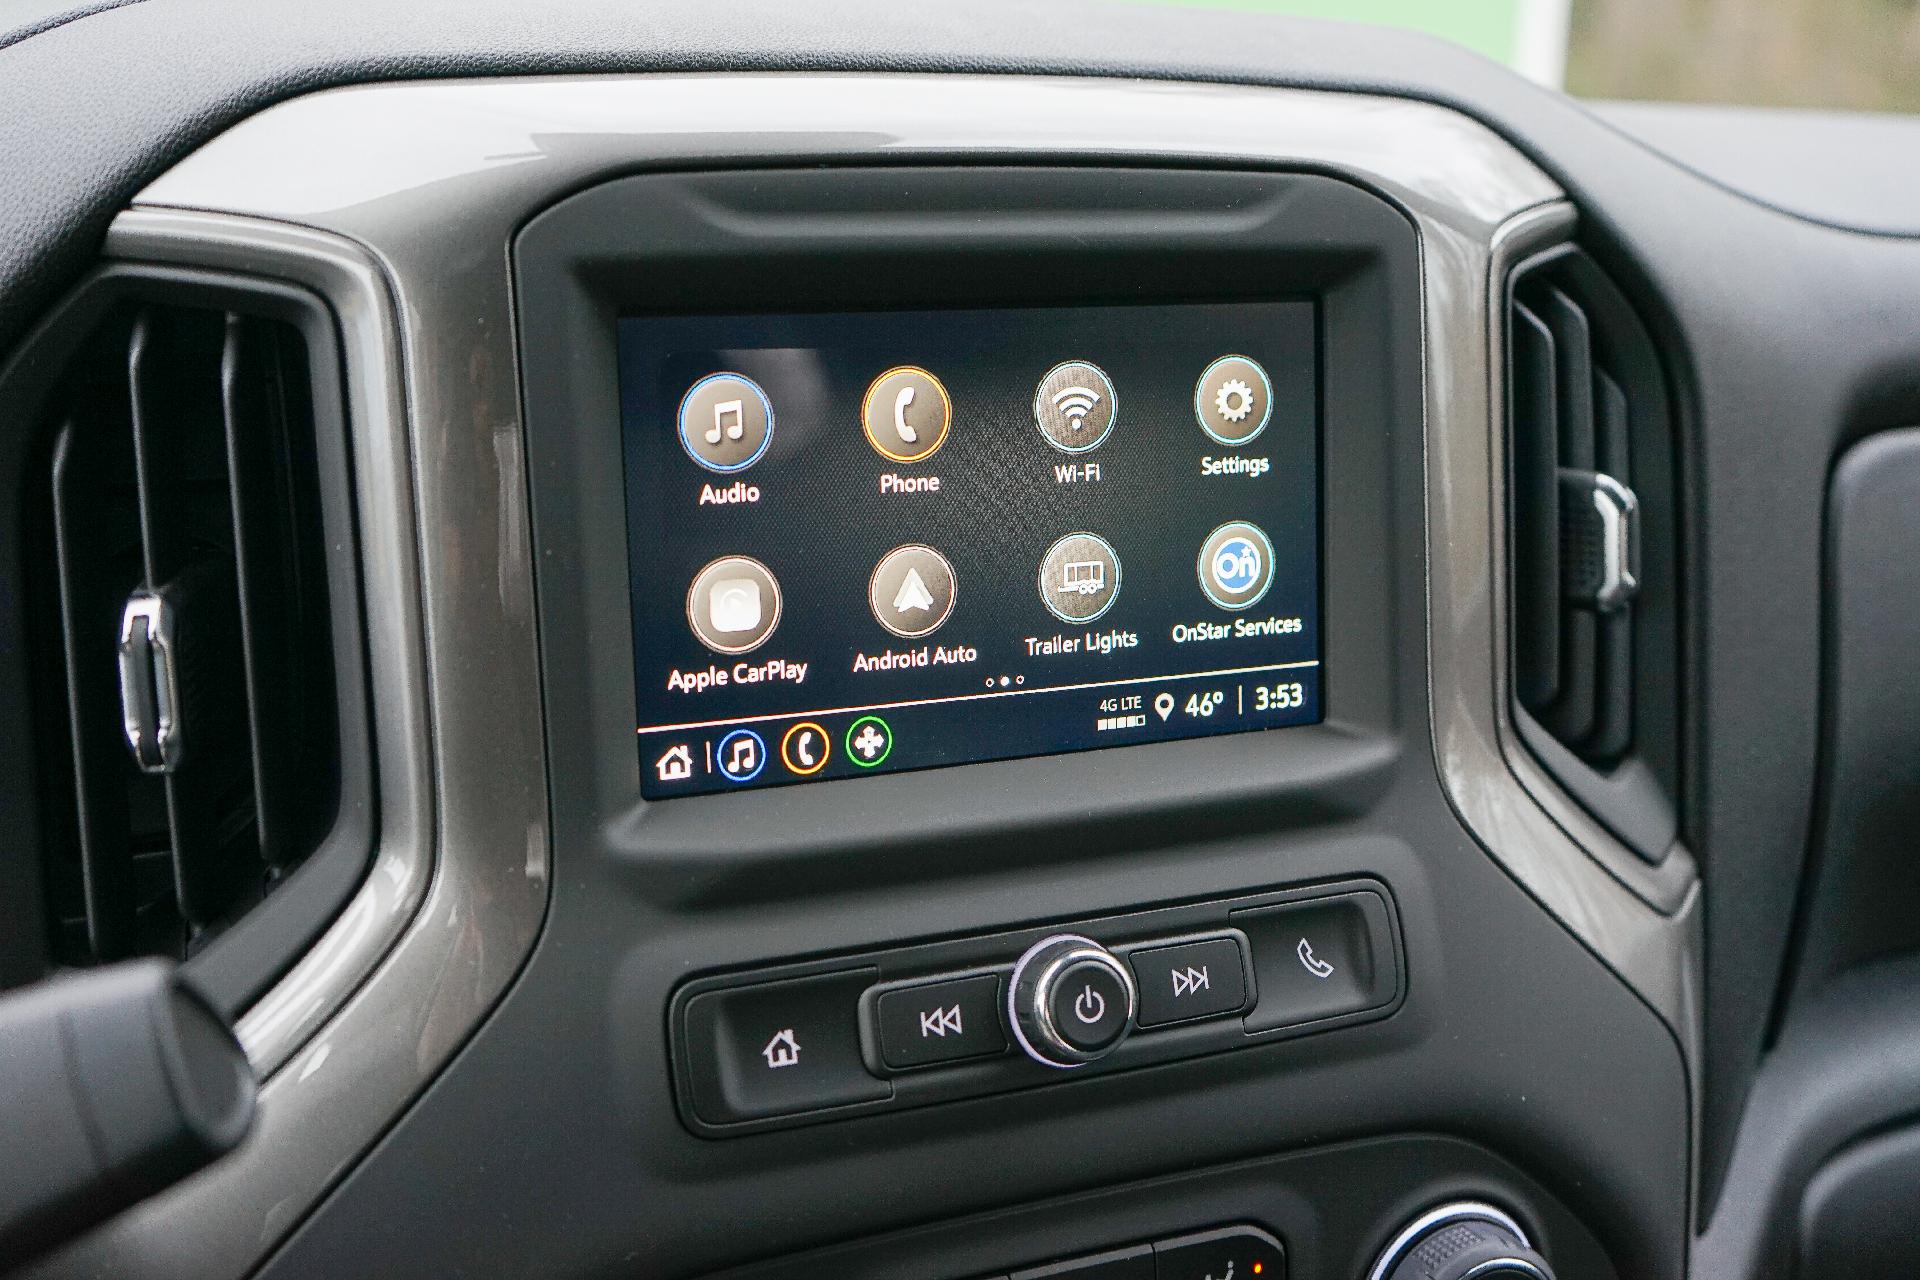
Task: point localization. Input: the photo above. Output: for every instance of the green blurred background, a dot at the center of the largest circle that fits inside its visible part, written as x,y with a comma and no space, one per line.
1861,55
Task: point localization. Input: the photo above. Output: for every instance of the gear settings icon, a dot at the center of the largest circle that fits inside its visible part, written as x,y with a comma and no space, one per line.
1234,400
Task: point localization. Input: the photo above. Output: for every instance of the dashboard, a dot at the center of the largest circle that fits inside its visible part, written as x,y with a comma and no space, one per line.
950,653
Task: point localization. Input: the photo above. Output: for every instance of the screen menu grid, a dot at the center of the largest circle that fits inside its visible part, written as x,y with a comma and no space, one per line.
868,543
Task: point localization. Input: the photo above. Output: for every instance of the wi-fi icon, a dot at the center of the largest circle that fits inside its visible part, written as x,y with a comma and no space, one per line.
1076,403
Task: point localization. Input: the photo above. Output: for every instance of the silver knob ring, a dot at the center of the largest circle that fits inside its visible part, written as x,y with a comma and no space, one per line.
1035,1021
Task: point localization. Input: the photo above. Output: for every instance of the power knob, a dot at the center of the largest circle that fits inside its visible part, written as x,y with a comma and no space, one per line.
1464,1241
1071,1001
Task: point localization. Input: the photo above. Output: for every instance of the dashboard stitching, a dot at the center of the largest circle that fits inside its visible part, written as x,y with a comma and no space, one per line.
39,27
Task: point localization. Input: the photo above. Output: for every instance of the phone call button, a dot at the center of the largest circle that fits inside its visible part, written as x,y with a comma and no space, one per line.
805,748
906,414
1320,958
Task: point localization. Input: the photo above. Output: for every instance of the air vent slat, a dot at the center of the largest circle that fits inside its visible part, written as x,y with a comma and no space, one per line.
1536,503
1613,693
1570,715
172,360
1574,351
1612,731
86,537
281,580
1613,445
210,796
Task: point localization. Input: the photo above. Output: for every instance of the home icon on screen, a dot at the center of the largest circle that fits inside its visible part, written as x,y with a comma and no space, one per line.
676,765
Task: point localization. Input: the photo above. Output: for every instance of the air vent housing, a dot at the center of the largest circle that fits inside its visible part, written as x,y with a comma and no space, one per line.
1594,639
191,624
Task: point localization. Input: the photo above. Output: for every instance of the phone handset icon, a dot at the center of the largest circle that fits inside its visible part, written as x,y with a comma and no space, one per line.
1314,964
905,414
900,423
804,750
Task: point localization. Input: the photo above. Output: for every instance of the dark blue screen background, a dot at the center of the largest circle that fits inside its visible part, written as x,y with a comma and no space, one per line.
820,524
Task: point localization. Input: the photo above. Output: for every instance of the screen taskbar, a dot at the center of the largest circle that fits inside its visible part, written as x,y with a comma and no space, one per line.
1002,721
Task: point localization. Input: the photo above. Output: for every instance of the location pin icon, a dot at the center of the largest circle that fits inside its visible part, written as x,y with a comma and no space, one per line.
1164,705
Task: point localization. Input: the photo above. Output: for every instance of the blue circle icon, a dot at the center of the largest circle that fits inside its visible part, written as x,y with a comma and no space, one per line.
741,756
726,422
1236,565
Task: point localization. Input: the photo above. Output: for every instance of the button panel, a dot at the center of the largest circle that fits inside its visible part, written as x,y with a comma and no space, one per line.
922,1024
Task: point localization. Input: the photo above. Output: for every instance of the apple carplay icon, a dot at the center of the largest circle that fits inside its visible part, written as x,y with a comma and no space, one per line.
734,604
912,591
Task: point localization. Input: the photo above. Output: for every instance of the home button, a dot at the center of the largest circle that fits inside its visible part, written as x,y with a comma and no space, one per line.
778,1048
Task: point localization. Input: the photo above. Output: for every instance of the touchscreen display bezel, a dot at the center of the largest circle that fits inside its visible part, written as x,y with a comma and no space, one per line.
852,238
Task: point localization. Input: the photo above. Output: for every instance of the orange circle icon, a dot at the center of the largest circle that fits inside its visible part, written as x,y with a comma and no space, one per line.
906,414
805,748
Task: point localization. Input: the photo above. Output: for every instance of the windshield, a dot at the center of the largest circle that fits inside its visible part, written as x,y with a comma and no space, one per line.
1858,55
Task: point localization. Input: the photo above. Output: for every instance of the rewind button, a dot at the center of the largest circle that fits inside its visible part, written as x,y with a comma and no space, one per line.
1189,980
940,1022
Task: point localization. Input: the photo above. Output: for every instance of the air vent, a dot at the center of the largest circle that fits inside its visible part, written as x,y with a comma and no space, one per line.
1594,661
193,625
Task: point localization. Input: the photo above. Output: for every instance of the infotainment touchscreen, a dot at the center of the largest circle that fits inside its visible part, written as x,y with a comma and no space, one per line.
865,543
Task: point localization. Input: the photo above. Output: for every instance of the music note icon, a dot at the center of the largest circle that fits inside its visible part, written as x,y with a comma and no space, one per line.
728,413
740,756
726,422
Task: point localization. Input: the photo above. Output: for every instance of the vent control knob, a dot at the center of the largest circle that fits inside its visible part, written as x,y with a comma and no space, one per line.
1464,1241
1071,1001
